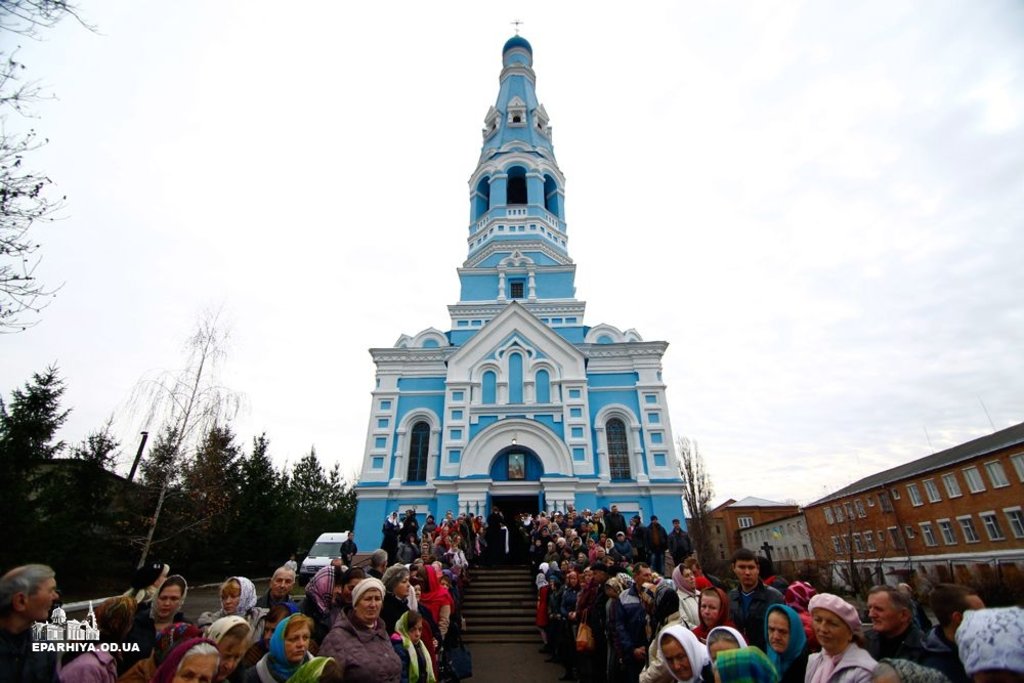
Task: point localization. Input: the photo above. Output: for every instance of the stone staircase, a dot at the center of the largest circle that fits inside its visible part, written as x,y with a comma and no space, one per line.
500,606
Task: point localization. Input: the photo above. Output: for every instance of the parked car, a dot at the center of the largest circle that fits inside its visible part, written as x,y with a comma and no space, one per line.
326,548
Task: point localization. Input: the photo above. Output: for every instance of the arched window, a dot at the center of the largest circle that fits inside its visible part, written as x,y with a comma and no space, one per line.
551,196
481,198
516,186
618,449
515,378
543,387
488,387
419,446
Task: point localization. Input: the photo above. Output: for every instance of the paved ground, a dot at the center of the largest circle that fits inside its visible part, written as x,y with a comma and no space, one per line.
512,663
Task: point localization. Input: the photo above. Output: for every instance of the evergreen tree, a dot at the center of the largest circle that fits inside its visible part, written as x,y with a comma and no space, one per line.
263,531
309,497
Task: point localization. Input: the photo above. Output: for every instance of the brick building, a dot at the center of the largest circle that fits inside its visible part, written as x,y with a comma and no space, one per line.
732,516
788,543
955,514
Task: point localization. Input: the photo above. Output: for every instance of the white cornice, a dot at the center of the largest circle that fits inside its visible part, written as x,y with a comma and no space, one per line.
531,244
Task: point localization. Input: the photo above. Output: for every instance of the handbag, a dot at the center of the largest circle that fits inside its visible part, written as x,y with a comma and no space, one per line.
585,639
461,661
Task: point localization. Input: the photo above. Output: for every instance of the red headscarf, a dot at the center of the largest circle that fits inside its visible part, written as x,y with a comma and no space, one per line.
701,631
166,672
434,595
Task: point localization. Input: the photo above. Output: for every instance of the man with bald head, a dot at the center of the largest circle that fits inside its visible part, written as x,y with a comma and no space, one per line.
280,590
26,595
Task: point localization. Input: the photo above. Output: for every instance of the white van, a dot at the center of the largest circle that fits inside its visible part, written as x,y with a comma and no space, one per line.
326,548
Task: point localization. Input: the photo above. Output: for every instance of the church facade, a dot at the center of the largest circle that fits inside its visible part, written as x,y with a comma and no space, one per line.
519,403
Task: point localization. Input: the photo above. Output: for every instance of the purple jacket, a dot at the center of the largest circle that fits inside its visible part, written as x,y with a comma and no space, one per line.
364,654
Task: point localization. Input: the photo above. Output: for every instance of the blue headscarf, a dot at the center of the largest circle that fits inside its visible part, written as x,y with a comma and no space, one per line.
277,662
797,639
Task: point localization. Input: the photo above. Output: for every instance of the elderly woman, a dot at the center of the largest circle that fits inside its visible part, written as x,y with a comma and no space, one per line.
289,650
745,665
231,634
685,583
686,658
192,660
787,644
723,638
265,631
838,628
359,642
114,618
237,598
396,595
168,638
328,593
161,613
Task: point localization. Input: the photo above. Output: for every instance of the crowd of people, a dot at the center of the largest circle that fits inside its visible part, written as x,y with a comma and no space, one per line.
607,612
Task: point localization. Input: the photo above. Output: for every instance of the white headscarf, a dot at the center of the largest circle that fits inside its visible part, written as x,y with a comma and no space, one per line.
735,634
696,652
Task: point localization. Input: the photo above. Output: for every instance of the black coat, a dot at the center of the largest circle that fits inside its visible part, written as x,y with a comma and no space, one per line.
144,633
751,625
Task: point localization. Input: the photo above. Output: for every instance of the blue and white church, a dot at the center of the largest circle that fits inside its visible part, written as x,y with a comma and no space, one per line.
519,403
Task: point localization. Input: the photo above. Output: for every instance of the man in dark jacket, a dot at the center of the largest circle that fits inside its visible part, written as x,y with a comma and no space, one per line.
657,544
614,522
631,626
349,548
679,545
26,595
949,601
894,633
280,589
749,603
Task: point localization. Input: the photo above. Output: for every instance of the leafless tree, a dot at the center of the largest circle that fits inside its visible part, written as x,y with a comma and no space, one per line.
186,404
697,494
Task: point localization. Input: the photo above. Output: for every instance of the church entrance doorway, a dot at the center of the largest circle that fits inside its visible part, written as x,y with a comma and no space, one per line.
511,508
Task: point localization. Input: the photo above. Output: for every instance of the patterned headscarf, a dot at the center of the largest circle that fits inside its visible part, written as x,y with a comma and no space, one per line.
247,599
114,617
989,640
911,672
172,635
172,580
311,671
798,594
745,665
321,589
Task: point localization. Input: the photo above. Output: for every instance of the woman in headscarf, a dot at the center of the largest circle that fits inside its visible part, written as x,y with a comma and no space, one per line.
745,665
663,614
396,595
170,636
798,595
237,598
686,658
407,641
265,630
989,644
436,599
685,583
163,611
714,611
289,649
192,660
359,642
232,637
787,644
317,670
906,671
722,638
114,618
323,598
842,658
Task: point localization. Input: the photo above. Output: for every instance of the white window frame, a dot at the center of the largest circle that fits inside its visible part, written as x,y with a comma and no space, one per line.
1015,518
972,475
895,493
952,485
996,474
968,529
932,491
915,495
745,521
869,541
990,521
829,519
840,515
908,531
948,531
928,534
859,506
1017,460
857,544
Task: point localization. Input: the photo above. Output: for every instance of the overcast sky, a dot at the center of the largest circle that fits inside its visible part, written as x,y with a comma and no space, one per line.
819,205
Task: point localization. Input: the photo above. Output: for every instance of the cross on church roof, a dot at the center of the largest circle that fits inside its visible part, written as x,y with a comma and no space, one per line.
517,23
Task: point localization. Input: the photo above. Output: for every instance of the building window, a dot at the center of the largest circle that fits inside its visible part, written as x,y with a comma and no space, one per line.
807,551
929,534
883,500
859,504
857,544
835,544
908,531
967,526
419,444
543,386
952,485
618,449
992,528
932,491
869,541
385,405
848,506
915,495
829,519
895,494
996,474
745,522
1016,520
840,517
897,538
516,289
974,482
948,536
1017,460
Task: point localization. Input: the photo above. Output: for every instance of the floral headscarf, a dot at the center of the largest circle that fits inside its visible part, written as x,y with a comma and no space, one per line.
311,671
990,639
415,651
247,599
172,635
